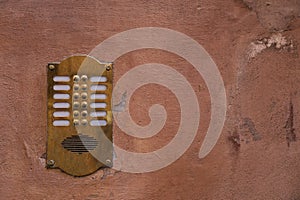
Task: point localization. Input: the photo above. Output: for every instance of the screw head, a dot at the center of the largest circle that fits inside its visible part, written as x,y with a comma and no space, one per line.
50,163
108,162
108,67
51,67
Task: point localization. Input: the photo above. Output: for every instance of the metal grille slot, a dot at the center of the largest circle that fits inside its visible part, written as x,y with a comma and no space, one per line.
80,143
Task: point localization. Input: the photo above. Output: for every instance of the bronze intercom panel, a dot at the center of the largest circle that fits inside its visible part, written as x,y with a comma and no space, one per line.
79,110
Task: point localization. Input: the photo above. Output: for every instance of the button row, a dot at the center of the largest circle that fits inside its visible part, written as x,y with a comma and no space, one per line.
76,104
76,87
83,113
77,95
83,122
77,78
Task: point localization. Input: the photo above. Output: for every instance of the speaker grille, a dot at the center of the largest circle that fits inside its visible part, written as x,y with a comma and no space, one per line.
80,143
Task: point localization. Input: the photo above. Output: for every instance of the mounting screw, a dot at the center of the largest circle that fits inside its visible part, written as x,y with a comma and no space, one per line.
108,68
51,67
50,163
108,162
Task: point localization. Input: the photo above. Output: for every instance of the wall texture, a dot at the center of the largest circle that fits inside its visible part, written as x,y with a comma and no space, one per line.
254,44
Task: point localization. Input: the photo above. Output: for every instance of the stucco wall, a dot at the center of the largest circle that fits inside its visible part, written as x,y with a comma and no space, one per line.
258,153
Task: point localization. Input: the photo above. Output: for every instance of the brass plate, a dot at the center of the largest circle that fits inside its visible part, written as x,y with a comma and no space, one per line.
79,149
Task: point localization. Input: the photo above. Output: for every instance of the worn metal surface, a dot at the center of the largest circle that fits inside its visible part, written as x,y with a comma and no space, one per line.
73,147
